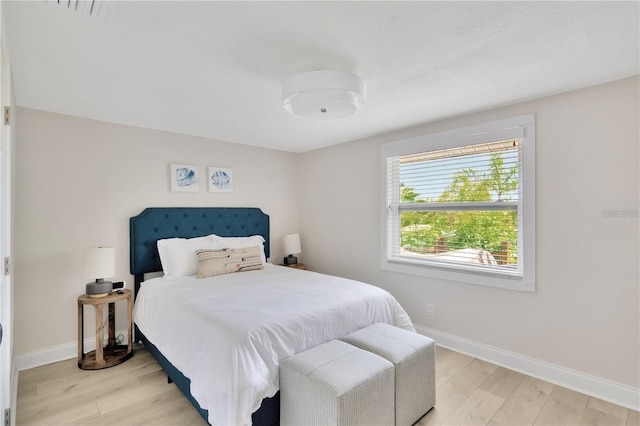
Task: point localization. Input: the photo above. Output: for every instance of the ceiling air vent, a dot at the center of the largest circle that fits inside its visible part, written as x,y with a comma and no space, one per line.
92,8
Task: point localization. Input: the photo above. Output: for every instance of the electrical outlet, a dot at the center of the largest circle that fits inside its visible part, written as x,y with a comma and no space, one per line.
431,310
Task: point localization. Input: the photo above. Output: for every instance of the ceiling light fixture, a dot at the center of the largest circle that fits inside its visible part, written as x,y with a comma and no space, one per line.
323,95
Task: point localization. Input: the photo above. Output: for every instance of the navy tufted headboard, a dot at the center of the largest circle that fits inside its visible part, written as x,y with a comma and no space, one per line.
156,223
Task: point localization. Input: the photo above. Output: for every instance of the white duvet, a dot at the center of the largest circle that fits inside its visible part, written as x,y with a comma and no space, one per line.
228,333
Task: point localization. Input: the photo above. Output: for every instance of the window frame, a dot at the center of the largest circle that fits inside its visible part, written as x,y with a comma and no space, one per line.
487,132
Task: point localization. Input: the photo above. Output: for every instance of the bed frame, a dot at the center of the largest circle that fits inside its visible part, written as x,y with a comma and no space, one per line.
157,223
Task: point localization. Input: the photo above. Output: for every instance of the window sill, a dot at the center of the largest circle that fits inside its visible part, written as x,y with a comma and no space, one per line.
490,280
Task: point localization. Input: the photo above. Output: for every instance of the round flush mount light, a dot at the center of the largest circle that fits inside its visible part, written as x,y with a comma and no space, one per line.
323,95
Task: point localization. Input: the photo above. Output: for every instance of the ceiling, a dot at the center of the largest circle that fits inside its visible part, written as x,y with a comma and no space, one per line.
214,69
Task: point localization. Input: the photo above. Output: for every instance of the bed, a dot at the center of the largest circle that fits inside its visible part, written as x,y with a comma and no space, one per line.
220,339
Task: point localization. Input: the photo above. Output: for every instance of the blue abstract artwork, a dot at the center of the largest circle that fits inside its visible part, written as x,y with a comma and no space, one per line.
220,179
185,178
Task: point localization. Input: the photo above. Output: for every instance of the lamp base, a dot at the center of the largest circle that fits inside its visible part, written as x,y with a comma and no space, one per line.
99,288
290,260
97,296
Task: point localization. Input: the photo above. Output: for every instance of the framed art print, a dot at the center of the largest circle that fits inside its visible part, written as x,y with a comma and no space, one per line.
220,179
185,178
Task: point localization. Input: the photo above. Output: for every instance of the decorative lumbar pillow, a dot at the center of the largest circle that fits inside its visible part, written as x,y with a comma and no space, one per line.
240,242
226,261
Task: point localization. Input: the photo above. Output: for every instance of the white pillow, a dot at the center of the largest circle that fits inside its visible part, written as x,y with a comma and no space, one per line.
178,255
241,242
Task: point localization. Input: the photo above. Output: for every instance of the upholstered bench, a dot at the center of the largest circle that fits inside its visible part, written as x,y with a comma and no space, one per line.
414,358
336,384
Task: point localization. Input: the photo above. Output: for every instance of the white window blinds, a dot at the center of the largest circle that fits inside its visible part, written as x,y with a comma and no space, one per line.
459,205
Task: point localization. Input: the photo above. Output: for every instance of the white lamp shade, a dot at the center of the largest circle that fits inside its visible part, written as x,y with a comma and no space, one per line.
100,262
292,244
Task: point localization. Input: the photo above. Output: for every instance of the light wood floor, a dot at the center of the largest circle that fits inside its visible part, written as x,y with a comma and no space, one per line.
469,391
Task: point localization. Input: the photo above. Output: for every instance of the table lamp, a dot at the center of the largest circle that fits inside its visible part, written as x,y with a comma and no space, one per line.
99,263
291,246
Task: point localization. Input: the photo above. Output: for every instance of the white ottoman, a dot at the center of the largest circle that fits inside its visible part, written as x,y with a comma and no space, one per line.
414,358
336,384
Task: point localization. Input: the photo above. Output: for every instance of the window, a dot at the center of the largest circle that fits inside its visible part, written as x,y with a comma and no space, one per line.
459,205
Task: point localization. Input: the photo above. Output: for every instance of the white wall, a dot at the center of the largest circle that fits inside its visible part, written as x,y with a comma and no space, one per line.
77,183
584,315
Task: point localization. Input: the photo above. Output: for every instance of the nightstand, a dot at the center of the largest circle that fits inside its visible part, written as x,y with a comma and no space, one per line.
301,266
111,354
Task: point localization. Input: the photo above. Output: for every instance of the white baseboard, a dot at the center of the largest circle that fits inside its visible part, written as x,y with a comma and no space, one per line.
57,353
617,393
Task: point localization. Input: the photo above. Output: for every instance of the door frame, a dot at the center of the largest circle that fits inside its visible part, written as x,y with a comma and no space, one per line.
8,372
